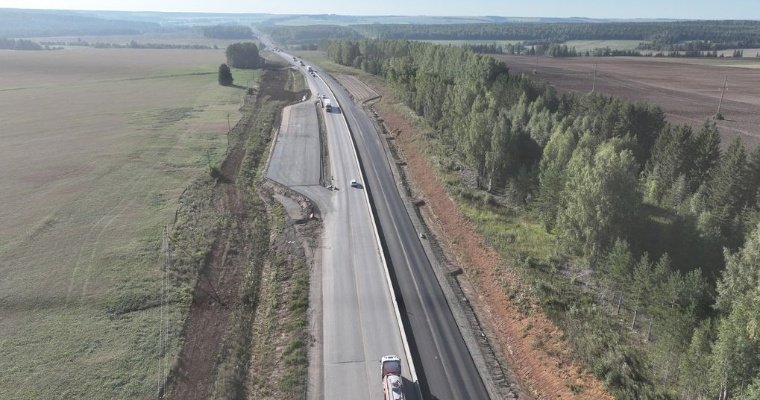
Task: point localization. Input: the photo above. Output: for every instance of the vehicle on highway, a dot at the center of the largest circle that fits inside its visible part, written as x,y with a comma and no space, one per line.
355,183
310,69
327,104
390,371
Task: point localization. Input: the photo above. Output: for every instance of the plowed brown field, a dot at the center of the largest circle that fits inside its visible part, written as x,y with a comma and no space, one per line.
688,90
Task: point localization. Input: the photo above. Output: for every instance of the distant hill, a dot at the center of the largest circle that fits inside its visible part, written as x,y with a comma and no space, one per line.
29,23
38,23
334,19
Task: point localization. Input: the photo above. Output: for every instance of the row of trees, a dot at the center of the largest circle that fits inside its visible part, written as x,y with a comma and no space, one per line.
615,183
310,34
19,44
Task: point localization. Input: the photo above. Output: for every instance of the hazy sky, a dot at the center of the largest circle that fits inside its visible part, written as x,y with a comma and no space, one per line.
694,9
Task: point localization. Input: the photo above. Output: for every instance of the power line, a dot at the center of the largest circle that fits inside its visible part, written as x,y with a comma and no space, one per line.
720,103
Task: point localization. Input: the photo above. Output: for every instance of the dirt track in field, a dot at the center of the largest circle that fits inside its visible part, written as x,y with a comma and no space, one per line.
217,291
688,90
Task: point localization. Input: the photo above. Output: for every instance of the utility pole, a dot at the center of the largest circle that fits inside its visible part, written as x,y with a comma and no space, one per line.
720,103
593,84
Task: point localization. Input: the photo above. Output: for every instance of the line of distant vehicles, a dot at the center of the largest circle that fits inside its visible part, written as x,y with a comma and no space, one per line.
323,100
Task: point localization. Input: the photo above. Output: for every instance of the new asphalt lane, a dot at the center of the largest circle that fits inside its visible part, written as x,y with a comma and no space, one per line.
359,324
447,369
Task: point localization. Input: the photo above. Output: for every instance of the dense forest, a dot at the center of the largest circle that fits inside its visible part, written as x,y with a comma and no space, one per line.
722,34
227,32
312,34
667,223
693,37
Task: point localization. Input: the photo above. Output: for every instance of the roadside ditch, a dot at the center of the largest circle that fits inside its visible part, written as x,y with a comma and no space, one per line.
250,280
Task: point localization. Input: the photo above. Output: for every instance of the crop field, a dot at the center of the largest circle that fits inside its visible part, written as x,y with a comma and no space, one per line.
97,145
589,45
688,90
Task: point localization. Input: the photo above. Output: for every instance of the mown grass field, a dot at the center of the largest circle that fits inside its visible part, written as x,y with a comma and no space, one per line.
97,146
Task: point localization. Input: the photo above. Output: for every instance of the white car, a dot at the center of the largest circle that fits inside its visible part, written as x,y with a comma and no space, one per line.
355,184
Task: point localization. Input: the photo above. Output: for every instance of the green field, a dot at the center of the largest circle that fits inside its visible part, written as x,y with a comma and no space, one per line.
97,147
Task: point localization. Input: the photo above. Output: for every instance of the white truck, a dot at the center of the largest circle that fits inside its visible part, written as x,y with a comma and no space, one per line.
390,371
327,105
310,69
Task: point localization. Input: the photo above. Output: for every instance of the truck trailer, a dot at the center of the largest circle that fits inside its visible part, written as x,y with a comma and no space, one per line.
327,105
390,371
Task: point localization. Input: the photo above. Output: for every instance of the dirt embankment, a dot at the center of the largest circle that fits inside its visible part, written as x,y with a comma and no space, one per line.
216,352
531,345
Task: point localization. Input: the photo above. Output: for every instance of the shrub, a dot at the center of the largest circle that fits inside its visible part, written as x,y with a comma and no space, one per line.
225,76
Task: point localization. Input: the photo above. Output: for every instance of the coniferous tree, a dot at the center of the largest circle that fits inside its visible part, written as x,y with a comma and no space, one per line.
706,153
618,266
225,75
753,177
727,192
695,364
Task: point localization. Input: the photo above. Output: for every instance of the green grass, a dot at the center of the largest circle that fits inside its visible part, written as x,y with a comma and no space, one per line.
106,164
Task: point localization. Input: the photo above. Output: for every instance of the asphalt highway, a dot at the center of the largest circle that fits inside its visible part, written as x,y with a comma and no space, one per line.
447,370
359,323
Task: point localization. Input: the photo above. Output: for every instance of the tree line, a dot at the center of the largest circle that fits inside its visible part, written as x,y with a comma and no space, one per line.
667,221
35,23
728,34
309,35
227,32
19,44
